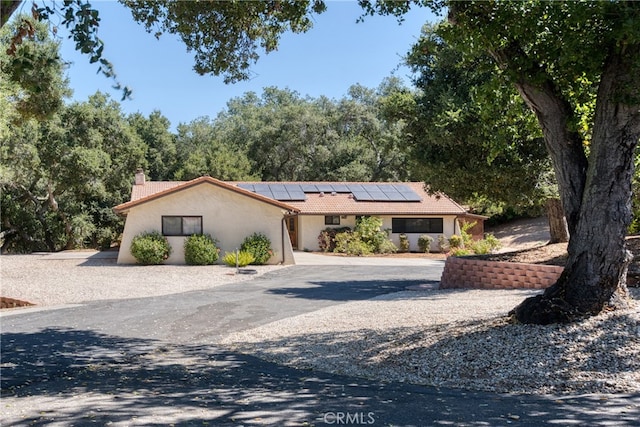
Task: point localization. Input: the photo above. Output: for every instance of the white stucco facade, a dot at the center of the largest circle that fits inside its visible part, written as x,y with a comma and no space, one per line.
228,216
310,226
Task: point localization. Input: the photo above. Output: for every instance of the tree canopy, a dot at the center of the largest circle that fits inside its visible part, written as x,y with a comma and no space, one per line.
560,57
576,65
471,136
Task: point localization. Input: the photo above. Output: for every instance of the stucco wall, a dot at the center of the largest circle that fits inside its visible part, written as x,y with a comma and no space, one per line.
310,226
227,216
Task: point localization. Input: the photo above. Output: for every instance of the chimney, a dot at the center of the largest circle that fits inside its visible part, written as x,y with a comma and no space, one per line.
140,179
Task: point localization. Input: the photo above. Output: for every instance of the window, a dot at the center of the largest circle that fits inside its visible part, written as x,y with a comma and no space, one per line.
332,220
181,225
416,225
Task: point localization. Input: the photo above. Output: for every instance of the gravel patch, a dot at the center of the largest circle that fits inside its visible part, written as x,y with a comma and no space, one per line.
452,338
48,281
459,339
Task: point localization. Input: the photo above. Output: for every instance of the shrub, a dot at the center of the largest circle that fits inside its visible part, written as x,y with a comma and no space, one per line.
350,243
486,246
242,260
424,243
327,238
387,247
404,243
259,246
368,229
150,248
104,238
443,243
200,250
461,252
455,242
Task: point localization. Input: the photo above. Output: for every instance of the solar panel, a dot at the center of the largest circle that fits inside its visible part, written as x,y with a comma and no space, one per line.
411,197
280,195
341,188
361,192
246,186
404,189
362,196
293,188
297,195
378,196
266,193
261,187
395,197
355,188
388,189
325,188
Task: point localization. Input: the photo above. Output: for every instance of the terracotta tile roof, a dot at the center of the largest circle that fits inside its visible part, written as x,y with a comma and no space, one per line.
315,203
152,190
345,204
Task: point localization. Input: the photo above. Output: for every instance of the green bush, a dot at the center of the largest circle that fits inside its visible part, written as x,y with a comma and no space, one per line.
443,243
461,252
486,246
456,241
387,247
243,259
368,229
350,243
259,246
200,249
404,243
424,243
150,248
327,238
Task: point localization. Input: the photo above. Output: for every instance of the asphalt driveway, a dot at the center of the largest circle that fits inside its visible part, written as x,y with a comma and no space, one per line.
157,361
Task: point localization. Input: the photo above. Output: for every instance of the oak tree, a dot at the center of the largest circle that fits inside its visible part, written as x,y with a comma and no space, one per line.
560,56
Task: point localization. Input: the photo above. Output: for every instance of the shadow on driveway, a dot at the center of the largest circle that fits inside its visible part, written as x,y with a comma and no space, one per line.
78,377
352,290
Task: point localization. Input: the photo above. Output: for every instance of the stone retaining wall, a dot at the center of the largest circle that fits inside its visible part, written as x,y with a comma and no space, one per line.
460,272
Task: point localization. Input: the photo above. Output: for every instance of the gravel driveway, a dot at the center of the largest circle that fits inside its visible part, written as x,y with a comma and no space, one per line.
182,350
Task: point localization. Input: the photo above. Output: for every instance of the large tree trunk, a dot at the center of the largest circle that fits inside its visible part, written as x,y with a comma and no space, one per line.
598,215
558,229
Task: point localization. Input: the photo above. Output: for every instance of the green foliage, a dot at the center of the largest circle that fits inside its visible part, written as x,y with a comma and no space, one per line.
350,243
150,248
241,260
202,150
485,246
471,137
456,242
61,175
366,239
286,137
327,238
404,243
387,247
460,252
33,69
200,250
226,36
424,243
464,244
443,243
368,230
161,153
259,246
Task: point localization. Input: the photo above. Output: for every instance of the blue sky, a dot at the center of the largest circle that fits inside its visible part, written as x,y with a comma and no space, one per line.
335,54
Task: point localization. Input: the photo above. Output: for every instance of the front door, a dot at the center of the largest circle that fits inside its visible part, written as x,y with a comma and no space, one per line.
292,227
